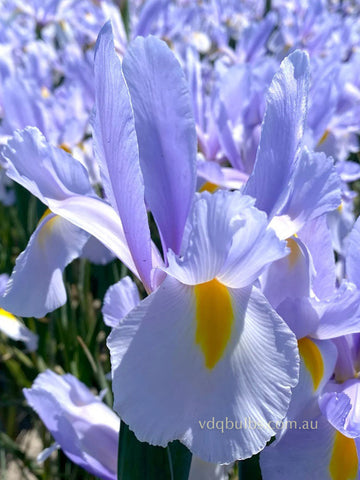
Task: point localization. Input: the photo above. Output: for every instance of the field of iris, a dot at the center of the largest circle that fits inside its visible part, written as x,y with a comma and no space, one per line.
179,239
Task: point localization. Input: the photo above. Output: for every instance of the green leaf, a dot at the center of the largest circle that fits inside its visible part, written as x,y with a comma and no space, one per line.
250,469
141,461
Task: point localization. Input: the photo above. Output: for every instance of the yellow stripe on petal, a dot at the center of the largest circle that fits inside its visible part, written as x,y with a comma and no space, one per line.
295,252
209,187
47,228
44,215
10,316
323,138
65,147
45,92
214,320
344,459
313,360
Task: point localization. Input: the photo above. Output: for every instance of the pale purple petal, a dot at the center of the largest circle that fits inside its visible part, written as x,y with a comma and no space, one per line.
166,134
119,300
281,135
36,285
116,148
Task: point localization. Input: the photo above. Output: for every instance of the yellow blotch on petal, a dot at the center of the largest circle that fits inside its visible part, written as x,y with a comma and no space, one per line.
214,320
65,147
323,138
344,460
47,227
10,316
295,252
313,360
45,92
209,187
44,215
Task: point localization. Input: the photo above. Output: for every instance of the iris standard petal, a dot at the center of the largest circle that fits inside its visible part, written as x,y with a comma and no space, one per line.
116,149
166,134
281,134
315,189
316,236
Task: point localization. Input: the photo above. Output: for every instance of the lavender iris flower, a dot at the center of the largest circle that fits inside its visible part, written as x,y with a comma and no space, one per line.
84,427
215,247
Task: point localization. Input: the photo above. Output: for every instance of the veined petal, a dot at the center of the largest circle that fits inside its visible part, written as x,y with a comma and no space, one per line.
316,236
116,148
51,174
254,247
339,314
304,453
213,221
317,362
164,390
36,285
340,405
225,237
315,190
119,300
63,185
13,328
100,220
166,134
281,134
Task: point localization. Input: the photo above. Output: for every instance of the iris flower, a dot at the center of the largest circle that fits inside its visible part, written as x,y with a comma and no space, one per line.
204,358
321,435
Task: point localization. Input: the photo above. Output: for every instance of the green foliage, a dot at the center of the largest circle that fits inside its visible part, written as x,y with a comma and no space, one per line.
141,461
72,339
